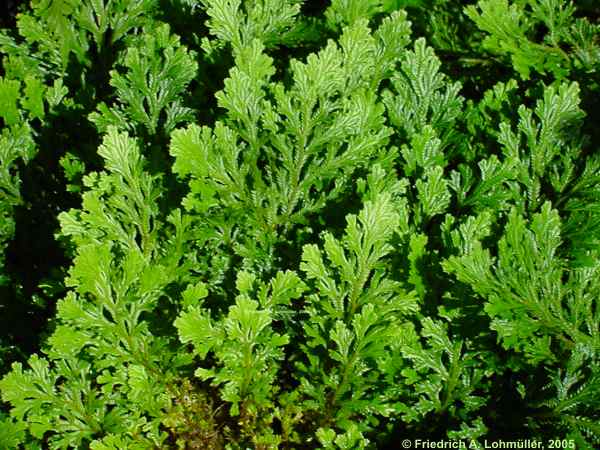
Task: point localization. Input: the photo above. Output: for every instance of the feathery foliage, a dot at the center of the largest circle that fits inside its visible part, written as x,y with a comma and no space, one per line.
231,224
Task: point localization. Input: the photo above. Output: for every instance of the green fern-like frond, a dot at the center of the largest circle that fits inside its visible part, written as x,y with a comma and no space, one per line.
310,137
158,70
512,31
355,319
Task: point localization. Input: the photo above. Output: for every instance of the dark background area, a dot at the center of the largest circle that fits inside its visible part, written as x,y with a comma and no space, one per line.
8,11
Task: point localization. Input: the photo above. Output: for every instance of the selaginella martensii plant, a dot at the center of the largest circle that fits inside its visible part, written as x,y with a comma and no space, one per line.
280,225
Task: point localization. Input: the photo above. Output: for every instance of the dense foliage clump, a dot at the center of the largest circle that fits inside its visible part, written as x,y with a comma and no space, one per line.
285,224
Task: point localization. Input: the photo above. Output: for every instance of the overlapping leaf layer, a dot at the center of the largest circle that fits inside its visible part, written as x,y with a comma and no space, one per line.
233,224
